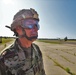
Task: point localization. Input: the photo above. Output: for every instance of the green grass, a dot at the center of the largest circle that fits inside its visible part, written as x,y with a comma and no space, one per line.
57,41
51,41
5,40
68,71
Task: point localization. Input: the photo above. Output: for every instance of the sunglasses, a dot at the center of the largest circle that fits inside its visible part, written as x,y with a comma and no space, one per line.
30,25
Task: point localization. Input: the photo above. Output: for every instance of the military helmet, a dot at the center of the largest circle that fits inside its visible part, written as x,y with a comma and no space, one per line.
22,15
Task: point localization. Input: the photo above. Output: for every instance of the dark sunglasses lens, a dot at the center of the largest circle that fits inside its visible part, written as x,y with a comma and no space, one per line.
30,26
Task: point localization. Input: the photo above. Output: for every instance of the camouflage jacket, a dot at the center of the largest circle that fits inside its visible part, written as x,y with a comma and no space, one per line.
16,61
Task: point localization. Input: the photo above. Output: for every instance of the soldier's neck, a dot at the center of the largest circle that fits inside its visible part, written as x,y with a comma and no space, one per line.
25,43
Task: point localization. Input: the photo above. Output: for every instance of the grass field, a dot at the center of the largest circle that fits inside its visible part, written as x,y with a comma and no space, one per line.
58,41
5,40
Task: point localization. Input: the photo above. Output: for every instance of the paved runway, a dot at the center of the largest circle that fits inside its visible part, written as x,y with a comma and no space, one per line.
59,59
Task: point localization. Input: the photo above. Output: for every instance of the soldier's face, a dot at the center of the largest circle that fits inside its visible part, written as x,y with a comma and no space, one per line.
30,28
32,32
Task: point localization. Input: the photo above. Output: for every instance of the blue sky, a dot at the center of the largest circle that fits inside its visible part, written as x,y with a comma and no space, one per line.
57,17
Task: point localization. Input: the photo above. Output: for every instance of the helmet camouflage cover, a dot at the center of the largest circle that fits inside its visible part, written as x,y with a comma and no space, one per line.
22,15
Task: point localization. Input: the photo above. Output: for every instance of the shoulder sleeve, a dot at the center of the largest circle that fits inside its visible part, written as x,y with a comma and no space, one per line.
4,54
7,52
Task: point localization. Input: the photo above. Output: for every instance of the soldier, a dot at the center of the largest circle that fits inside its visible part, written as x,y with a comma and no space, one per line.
23,57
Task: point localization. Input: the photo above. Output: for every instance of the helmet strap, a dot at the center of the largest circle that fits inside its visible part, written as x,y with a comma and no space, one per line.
24,35
29,38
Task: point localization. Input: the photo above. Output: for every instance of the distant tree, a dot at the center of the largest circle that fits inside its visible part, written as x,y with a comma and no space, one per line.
65,39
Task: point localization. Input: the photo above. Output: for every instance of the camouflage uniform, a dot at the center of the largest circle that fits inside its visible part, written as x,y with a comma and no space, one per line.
17,61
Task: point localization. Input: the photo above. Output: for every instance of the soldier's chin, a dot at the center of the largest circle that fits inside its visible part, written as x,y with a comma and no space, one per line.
33,38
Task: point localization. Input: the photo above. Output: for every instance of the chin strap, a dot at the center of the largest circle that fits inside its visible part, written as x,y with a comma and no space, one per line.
29,38
24,34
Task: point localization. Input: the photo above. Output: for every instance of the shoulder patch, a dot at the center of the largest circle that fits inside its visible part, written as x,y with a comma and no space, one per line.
7,52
